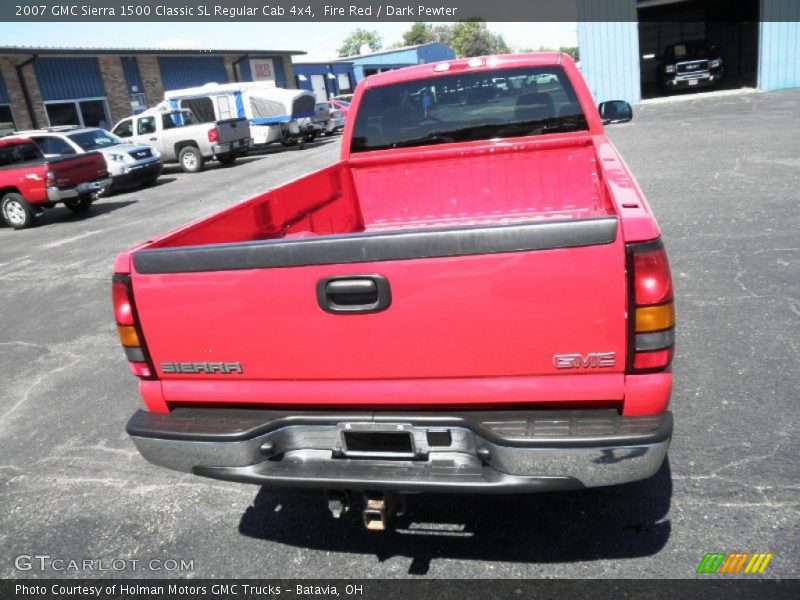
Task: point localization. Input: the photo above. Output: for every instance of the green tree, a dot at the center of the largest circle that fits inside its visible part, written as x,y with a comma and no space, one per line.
420,33
473,38
353,42
443,34
573,51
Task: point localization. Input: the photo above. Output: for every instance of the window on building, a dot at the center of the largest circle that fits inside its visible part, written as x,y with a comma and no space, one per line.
343,79
146,125
62,113
6,120
50,144
138,102
88,113
93,113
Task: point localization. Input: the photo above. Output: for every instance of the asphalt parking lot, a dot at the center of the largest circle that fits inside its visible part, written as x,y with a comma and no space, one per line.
722,175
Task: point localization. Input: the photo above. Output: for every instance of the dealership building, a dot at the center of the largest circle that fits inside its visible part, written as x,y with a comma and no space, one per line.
42,87
340,76
621,40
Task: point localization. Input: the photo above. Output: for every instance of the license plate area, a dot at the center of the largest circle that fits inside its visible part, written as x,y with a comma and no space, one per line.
376,440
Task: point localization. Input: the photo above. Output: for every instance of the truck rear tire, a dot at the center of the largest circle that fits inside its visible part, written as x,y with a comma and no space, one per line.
17,213
227,159
79,205
190,159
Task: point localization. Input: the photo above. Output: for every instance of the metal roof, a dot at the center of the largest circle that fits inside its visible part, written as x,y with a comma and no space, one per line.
389,51
163,51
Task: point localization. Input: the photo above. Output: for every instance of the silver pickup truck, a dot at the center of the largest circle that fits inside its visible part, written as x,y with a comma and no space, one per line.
179,137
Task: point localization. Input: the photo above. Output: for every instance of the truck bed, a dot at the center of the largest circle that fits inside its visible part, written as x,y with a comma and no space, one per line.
437,188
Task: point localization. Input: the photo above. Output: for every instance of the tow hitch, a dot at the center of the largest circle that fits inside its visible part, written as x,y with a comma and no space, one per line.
377,508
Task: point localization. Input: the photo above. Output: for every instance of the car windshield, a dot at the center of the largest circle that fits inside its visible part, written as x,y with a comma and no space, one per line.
467,107
17,153
690,49
95,139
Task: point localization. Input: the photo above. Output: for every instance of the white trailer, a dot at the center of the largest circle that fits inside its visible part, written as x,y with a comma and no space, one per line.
275,114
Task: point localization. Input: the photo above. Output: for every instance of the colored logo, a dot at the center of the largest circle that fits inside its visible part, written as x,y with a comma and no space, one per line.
736,563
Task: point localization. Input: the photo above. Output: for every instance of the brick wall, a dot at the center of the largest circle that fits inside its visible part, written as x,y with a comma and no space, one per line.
119,100
288,69
33,90
229,68
114,84
15,96
151,78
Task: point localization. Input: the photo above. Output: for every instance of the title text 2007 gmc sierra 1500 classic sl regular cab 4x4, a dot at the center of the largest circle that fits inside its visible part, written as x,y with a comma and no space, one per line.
475,298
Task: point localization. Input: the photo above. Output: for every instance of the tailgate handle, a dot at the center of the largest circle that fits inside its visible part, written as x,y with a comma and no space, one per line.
356,294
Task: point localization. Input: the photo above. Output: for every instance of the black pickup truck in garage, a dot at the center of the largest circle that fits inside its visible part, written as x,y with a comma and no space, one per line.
689,64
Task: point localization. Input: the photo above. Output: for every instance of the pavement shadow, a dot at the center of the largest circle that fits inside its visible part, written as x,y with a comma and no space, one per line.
100,207
602,523
137,188
279,149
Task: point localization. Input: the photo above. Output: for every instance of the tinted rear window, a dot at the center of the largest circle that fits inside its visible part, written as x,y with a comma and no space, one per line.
466,107
17,153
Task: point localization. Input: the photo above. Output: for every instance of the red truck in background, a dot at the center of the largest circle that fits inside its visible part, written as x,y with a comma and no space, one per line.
29,182
475,298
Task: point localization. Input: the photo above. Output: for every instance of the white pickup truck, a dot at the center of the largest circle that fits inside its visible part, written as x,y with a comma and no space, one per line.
179,137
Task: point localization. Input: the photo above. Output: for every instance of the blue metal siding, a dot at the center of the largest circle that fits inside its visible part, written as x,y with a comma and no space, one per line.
132,77
244,69
280,74
69,78
610,49
779,41
179,72
309,69
434,53
3,91
401,58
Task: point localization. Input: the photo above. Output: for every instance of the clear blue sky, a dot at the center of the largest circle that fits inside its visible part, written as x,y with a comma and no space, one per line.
320,40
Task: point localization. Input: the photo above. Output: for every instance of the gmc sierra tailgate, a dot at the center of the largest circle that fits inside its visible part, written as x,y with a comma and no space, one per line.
231,130
506,308
71,171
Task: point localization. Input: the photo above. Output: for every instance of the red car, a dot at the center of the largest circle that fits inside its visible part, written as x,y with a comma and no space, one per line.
30,183
476,299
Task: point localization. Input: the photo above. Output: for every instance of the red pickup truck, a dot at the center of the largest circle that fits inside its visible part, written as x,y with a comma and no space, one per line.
475,298
29,182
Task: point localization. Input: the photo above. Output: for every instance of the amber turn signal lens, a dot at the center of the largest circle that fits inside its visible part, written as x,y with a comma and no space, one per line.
655,318
128,336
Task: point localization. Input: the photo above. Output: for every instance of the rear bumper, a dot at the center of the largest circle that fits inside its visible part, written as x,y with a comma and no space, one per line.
479,452
55,194
236,146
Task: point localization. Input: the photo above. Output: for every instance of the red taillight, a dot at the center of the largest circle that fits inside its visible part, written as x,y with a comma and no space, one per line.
123,311
652,283
127,327
213,135
652,311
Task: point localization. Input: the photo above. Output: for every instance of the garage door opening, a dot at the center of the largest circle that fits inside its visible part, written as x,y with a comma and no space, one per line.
695,45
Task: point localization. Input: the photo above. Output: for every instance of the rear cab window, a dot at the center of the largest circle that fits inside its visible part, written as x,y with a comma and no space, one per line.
50,144
21,152
466,107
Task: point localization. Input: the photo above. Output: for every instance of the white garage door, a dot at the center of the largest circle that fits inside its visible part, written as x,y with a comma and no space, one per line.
318,85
